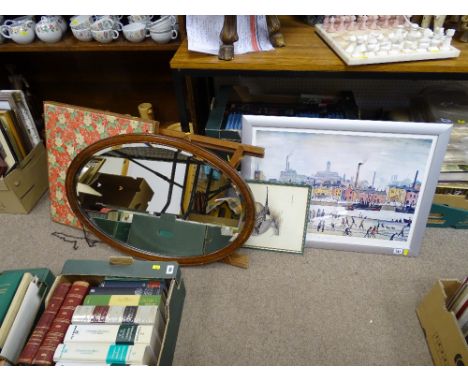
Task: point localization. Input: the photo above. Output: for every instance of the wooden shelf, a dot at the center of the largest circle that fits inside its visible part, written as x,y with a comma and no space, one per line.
305,51
70,43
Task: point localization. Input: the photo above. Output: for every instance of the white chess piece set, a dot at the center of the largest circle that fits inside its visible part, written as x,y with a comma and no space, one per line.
361,40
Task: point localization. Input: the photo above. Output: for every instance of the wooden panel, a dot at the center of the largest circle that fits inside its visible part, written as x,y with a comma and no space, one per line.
306,51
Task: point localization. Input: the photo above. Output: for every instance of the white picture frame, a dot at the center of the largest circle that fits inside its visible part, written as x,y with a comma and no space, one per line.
387,212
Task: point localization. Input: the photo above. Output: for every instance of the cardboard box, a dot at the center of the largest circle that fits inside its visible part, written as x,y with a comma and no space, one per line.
94,271
443,335
120,192
22,187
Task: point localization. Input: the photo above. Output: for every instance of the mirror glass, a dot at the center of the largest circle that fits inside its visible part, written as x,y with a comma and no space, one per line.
160,200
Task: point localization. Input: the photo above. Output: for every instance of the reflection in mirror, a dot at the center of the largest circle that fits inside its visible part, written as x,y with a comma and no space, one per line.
159,199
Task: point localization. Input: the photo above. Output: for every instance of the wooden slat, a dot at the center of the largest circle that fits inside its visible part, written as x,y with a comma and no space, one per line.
306,51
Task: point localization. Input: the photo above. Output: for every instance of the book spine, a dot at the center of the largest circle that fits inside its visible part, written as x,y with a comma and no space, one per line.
55,334
14,307
111,334
132,284
9,282
125,291
26,117
24,321
110,354
43,325
121,300
105,314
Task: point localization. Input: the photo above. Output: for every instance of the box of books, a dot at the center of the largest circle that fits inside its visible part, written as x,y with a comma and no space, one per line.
25,183
443,315
116,312
22,297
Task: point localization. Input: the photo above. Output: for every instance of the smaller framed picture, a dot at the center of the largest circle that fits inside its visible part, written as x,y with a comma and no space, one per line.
6,151
281,216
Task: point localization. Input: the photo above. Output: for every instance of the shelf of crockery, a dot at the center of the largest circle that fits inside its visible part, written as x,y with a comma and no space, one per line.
70,43
306,52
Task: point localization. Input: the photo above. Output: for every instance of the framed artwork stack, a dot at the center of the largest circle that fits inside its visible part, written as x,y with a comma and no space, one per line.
371,182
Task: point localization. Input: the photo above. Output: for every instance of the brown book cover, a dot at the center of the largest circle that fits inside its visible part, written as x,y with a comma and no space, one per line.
60,324
44,324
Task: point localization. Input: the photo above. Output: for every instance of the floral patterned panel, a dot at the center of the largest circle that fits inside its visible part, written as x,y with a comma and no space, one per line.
70,129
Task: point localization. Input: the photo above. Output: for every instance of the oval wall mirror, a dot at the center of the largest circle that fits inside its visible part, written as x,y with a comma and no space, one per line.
160,198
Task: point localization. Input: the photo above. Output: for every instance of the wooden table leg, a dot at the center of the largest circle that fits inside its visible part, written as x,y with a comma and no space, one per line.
276,37
228,36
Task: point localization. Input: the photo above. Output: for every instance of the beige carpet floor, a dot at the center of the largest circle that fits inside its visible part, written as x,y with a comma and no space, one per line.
322,308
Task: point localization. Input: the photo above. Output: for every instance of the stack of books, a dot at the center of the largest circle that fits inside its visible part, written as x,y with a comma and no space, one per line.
118,322
22,293
18,133
458,304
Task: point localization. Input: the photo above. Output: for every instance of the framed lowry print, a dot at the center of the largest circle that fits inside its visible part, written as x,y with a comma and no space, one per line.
372,182
280,216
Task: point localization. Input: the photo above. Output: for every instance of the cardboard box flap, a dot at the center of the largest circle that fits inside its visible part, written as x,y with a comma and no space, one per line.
123,267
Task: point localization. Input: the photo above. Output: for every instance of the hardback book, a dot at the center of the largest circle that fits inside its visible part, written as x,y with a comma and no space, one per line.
43,325
70,129
9,282
116,315
13,132
115,335
24,320
458,292
122,300
60,324
460,301
119,283
125,291
14,307
110,354
3,165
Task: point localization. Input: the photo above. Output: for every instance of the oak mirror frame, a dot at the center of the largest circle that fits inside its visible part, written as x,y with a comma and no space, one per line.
76,172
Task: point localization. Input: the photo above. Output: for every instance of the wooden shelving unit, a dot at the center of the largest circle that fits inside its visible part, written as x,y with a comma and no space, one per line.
305,51
305,55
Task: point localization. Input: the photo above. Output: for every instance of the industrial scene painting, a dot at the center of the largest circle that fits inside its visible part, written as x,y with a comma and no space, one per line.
362,185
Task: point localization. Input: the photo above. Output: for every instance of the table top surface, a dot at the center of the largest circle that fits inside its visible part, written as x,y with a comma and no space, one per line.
305,51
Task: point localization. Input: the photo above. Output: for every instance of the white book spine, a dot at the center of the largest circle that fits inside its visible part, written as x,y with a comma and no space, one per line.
24,321
111,334
100,353
115,315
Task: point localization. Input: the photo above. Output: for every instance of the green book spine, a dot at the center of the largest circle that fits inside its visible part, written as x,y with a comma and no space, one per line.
43,274
122,300
8,284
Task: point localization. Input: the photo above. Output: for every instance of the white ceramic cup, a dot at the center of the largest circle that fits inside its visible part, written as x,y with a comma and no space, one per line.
164,37
102,24
83,34
105,36
81,21
163,24
60,20
1,23
145,19
18,20
19,33
48,30
135,32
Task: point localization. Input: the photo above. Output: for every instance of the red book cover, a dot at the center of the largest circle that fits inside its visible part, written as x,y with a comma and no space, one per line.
58,329
44,324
